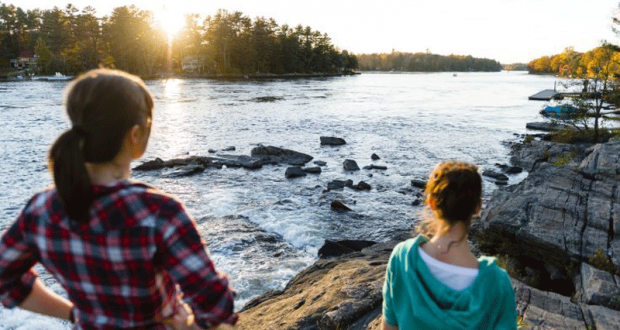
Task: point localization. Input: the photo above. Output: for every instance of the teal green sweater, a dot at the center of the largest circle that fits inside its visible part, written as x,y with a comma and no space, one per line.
414,299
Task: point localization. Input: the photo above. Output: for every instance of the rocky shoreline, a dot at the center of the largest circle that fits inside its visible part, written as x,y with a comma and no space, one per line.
557,233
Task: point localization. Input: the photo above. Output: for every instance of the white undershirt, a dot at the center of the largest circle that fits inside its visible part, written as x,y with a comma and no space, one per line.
455,277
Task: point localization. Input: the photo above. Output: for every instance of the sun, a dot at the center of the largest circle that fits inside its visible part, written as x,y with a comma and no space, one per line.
170,21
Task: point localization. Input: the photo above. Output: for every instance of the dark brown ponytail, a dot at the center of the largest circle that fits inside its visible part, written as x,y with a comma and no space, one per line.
102,105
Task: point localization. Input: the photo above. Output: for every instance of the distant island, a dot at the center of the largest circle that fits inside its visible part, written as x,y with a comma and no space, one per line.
425,62
70,41
516,67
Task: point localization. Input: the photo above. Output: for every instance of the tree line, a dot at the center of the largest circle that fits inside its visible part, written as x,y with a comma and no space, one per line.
71,40
425,62
571,63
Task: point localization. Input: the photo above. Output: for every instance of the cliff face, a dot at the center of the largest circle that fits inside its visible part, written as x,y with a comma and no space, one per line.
557,233
559,230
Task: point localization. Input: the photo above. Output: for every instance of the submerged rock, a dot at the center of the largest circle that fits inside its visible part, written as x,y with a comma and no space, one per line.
336,184
332,141
418,183
156,164
312,170
187,170
375,167
338,248
272,154
339,206
350,165
267,99
495,175
320,163
294,172
363,186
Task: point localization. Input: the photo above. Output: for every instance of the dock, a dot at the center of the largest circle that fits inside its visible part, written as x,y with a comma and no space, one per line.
545,95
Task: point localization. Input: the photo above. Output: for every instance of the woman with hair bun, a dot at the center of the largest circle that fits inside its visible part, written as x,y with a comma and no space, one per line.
437,282
118,247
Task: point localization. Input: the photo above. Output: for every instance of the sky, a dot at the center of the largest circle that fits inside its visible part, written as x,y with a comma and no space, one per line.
509,31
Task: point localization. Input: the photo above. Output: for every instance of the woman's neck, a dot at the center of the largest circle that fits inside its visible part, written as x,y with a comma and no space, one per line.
449,244
108,173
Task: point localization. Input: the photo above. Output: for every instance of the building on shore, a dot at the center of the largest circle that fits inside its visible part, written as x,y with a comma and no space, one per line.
25,60
193,63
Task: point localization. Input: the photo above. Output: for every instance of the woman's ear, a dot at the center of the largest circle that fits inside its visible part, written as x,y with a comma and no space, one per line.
478,208
431,203
137,141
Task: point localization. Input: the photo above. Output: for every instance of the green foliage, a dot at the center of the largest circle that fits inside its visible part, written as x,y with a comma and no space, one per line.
565,159
72,41
425,62
599,261
528,139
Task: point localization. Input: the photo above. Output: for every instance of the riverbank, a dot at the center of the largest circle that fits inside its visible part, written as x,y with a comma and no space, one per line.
557,233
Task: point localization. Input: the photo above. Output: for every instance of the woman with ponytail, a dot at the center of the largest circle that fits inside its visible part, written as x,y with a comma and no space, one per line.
434,281
119,248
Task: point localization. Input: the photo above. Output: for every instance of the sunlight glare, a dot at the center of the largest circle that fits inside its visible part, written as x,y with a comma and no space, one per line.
171,21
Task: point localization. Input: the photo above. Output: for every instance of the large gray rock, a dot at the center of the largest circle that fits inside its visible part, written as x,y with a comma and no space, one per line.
603,160
548,310
279,155
528,155
557,214
597,287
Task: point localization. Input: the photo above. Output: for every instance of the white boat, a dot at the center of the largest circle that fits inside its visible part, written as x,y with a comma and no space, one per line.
59,77
56,77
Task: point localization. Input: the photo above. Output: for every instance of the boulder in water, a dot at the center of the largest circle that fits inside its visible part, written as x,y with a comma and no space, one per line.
336,184
312,170
339,206
270,154
294,172
338,248
350,165
418,183
375,157
332,141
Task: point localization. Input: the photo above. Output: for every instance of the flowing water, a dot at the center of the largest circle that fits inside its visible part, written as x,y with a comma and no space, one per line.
260,227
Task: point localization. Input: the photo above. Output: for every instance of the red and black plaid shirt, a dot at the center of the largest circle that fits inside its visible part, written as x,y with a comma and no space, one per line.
119,269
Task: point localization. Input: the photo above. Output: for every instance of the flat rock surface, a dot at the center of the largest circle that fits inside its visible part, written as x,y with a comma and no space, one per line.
337,293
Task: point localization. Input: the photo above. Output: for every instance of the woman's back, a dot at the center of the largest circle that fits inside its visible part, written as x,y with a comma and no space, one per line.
120,268
415,299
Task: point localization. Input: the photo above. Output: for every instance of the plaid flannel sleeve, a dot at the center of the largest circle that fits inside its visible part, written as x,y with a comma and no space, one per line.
16,261
187,260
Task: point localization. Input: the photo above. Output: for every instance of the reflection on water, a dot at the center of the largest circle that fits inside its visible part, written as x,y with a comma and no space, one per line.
261,227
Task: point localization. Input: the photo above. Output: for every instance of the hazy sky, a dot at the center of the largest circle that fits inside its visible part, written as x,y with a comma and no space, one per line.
505,30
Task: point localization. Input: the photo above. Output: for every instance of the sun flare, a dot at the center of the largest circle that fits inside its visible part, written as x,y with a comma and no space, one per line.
171,21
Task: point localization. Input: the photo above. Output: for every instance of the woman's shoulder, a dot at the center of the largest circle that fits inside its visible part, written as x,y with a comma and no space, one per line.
404,248
41,202
491,271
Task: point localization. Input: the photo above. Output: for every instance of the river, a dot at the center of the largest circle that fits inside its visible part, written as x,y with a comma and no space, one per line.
260,227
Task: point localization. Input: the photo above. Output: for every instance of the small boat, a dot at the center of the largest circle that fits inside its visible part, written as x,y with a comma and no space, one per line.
454,75
59,77
558,111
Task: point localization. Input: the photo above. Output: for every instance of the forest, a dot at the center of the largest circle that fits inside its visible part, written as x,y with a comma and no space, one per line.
71,41
571,63
425,62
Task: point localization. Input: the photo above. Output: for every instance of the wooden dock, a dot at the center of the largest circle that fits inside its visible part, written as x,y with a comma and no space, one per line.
545,95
